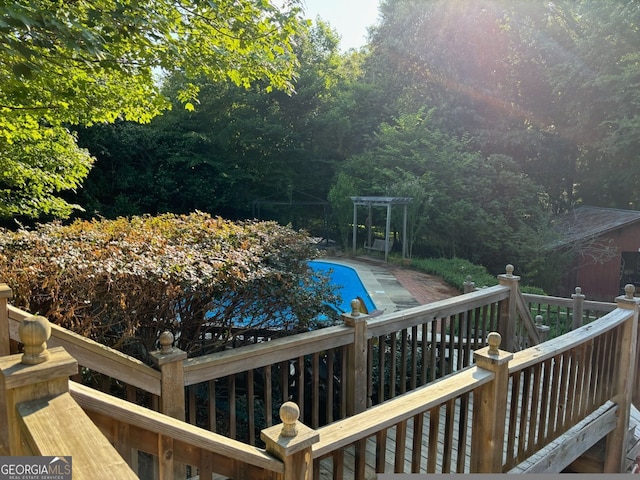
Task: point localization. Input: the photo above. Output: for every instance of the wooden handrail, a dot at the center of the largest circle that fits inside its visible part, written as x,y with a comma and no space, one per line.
566,342
59,427
395,321
345,432
568,302
144,427
221,364
94,355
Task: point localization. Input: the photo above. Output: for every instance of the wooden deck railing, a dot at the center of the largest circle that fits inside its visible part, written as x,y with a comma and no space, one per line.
171,445
486,417
337,371
38,416
555,385
457,424
562,315
94,356
330,373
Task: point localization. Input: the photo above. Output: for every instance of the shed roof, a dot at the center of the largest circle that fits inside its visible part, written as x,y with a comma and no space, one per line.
585,222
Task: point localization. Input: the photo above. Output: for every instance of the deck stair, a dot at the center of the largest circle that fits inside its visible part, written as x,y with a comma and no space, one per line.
592,461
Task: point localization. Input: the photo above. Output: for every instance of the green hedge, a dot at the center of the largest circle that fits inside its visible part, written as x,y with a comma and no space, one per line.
121,282
455,271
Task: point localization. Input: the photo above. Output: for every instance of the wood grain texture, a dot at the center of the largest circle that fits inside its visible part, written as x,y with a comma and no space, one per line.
59,427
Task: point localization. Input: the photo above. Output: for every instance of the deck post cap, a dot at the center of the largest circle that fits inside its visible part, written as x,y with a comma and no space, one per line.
355,307
34,331
494,339
629,290
289,413
166,342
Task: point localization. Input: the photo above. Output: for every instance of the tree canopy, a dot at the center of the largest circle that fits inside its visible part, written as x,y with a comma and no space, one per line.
498,114
237,146
88,62
549,84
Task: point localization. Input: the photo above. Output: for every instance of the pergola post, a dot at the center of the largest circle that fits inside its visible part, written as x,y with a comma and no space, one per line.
387,231
404,232
355,225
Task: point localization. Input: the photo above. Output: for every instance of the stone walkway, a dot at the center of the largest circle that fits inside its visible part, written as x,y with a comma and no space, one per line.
393,287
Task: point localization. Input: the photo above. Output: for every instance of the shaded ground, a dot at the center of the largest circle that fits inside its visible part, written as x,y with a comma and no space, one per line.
423,287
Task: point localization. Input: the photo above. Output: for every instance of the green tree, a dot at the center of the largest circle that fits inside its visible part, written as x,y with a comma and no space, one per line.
480,208
34,170
547,83
237,145
81,63
339,196
597,89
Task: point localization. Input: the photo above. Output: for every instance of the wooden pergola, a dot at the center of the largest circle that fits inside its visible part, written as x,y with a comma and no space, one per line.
386,202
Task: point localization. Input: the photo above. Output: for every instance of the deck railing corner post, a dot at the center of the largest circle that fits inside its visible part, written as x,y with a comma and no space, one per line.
356,388
170,362
628,300
37,373
508,311
291,442
578,308
626,392
490,408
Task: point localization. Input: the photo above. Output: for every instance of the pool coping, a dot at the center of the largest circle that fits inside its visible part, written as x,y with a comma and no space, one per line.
386,292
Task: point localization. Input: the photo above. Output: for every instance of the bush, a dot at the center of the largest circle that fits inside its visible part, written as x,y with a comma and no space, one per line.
455,271
122,282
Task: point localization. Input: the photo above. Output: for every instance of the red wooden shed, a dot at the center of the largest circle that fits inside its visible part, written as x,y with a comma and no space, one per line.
608,256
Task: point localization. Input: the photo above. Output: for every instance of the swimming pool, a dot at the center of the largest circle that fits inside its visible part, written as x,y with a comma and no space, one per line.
347,282
347,286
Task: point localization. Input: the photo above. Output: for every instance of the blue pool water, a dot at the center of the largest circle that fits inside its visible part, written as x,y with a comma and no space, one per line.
347,285
347,282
